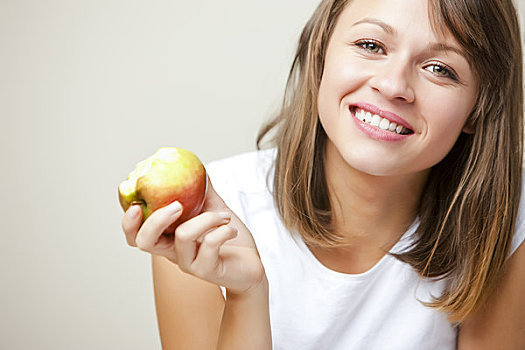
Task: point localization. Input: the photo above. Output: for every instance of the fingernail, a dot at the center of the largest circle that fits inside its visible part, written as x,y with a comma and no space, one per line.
225,215
133,211
174,208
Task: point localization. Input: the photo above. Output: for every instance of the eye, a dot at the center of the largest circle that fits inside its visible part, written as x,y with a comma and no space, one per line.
441,70
370,46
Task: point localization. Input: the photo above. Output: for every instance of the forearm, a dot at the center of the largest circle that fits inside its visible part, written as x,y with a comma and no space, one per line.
246,321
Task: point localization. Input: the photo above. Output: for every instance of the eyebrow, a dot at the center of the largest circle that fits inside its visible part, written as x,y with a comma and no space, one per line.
435,47
386,27
440,47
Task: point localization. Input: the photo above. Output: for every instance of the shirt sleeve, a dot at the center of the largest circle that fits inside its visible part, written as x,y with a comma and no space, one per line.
221,175
234,177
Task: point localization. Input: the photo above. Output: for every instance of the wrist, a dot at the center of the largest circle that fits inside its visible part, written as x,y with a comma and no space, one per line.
259,290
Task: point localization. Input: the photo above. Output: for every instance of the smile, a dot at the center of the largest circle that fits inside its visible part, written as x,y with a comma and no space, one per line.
380,122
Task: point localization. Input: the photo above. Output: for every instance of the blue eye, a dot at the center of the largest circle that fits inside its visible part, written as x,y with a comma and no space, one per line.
441,71
370,46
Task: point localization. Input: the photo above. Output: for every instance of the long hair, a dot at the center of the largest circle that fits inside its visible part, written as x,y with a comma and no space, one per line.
469,205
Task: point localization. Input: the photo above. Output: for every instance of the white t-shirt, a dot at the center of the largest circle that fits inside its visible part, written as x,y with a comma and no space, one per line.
313,307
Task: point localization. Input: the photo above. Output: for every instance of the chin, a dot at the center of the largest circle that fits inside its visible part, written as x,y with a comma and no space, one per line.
374,170
374,167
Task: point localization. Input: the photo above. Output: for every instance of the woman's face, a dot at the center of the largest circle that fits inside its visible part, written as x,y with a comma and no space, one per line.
394,97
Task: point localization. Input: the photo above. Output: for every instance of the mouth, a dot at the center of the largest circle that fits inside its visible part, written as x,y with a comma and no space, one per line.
379,120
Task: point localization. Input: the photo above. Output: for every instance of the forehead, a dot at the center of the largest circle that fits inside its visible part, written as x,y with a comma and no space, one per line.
404,16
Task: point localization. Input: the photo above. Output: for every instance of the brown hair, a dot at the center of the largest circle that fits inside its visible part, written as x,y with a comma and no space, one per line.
469,205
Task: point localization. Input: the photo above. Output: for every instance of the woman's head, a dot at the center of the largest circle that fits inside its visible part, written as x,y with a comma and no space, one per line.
479,178
394,94
477,29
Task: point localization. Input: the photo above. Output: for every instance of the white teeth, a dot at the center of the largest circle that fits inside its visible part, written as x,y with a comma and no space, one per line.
392,126
385,123
377,121
368,117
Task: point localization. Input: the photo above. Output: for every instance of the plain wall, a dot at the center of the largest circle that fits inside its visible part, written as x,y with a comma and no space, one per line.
87,89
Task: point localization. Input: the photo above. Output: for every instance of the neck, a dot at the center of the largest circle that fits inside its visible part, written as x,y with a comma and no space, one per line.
371,211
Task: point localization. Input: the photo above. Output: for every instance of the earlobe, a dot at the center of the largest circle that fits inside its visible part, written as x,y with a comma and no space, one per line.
468,128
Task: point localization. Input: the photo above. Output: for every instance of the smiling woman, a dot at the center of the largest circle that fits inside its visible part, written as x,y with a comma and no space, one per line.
452,73
387,66
393,215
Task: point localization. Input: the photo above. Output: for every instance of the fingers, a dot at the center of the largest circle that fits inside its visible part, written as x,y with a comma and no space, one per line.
207,263
187,234
196,243
211,229
150,236
213,201
131,223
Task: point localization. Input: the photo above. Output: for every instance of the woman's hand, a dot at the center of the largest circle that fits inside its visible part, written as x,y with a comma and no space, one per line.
214,246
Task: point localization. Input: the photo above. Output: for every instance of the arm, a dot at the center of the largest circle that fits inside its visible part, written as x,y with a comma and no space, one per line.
246,320
501,323
185,304
215,246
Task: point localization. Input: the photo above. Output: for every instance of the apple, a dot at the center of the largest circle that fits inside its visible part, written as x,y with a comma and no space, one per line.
170,174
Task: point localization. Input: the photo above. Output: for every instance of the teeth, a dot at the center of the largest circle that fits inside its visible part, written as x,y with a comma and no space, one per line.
377,121
385,124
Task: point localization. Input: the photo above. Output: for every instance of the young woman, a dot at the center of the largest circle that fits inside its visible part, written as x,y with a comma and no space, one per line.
388,214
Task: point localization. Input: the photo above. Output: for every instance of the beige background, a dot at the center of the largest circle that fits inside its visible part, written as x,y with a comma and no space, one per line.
87,89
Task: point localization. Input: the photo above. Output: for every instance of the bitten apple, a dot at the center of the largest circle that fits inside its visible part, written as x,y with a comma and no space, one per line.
171,174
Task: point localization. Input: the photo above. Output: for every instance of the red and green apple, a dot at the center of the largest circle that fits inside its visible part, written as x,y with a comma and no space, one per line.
170,174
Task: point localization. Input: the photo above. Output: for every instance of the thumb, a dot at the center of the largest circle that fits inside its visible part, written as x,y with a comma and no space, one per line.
213,201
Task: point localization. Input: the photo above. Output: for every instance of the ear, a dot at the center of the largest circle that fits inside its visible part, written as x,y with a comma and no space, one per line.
468,128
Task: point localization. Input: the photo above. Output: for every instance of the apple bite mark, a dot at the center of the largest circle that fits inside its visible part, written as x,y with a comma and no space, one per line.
127,189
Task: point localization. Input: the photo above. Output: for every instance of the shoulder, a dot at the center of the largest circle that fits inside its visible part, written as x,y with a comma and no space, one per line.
499,323
247,172
244,181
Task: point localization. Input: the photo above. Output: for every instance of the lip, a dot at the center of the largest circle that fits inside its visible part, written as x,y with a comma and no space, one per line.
385,114
375,132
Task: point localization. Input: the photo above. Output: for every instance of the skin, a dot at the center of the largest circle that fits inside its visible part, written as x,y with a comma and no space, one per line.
398,72
368,179
211,249
500,323
377,56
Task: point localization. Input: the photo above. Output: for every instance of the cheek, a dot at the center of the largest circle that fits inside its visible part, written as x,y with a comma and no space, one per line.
341,76
445,122
448,114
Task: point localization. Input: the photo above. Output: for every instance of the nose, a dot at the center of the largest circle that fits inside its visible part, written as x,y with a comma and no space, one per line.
392,80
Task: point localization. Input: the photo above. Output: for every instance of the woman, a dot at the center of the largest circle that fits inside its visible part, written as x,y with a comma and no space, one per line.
392,215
